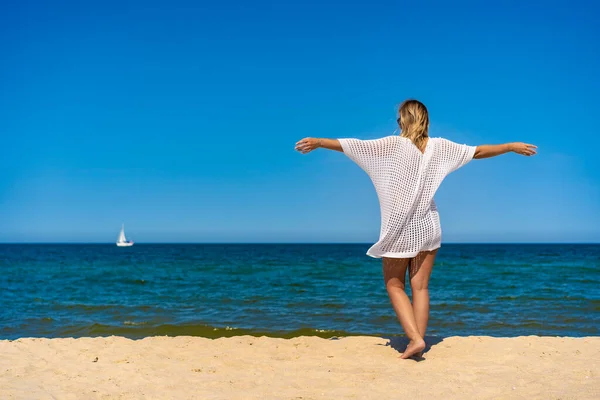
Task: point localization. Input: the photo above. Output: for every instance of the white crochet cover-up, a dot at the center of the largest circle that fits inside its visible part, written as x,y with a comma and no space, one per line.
406,181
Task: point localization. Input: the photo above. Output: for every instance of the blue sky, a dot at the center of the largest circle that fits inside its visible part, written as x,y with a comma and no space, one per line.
180,118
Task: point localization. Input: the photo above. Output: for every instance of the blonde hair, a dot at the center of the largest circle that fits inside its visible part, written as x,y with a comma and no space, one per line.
414,122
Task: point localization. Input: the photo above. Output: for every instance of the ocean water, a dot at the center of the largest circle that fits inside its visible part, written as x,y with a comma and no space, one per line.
283,290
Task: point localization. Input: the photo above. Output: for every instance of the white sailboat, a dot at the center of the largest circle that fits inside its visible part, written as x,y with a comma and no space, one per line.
122,241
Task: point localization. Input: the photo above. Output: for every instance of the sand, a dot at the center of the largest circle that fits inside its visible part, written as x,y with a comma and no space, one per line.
246,367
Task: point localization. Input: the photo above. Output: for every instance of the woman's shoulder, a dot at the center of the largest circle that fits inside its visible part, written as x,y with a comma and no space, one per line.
437,139
389,140
438,142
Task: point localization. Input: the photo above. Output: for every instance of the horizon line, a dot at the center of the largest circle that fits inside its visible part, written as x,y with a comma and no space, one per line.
279,243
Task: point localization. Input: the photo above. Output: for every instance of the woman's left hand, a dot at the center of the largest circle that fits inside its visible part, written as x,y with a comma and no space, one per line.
307,145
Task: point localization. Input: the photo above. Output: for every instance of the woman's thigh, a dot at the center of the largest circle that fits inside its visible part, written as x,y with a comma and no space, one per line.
420,269
394,271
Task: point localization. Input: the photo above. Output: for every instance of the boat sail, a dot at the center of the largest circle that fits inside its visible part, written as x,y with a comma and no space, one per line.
122,241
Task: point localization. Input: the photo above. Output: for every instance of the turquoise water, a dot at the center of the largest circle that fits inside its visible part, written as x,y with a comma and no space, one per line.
290,290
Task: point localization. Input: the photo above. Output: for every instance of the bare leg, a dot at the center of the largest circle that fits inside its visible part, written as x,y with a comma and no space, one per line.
420,271
394,275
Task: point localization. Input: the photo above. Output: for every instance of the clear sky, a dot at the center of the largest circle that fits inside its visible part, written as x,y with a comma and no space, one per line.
180,118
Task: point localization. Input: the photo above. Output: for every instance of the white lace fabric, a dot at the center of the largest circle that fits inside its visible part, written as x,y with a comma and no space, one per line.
406,180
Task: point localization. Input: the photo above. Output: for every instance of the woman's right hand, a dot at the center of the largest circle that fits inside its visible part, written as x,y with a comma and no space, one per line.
523,148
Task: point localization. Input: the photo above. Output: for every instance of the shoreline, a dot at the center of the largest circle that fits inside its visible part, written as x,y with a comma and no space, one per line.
307,367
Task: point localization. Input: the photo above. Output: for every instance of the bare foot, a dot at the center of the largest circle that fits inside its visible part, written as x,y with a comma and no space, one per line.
413,348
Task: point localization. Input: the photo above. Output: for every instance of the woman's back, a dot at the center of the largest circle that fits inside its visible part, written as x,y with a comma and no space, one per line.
406,180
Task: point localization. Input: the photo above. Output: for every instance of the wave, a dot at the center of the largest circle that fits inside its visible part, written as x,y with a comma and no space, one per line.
137,330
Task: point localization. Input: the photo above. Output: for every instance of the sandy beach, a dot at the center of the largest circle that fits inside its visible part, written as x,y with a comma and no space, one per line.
247,367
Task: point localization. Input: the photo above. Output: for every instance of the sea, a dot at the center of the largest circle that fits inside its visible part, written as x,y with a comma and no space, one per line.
288,290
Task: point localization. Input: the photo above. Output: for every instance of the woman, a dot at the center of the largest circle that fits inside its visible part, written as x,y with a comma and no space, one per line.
406,171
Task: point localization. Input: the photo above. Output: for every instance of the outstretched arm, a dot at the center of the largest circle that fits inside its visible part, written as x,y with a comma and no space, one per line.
307,145
368,154
493,150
